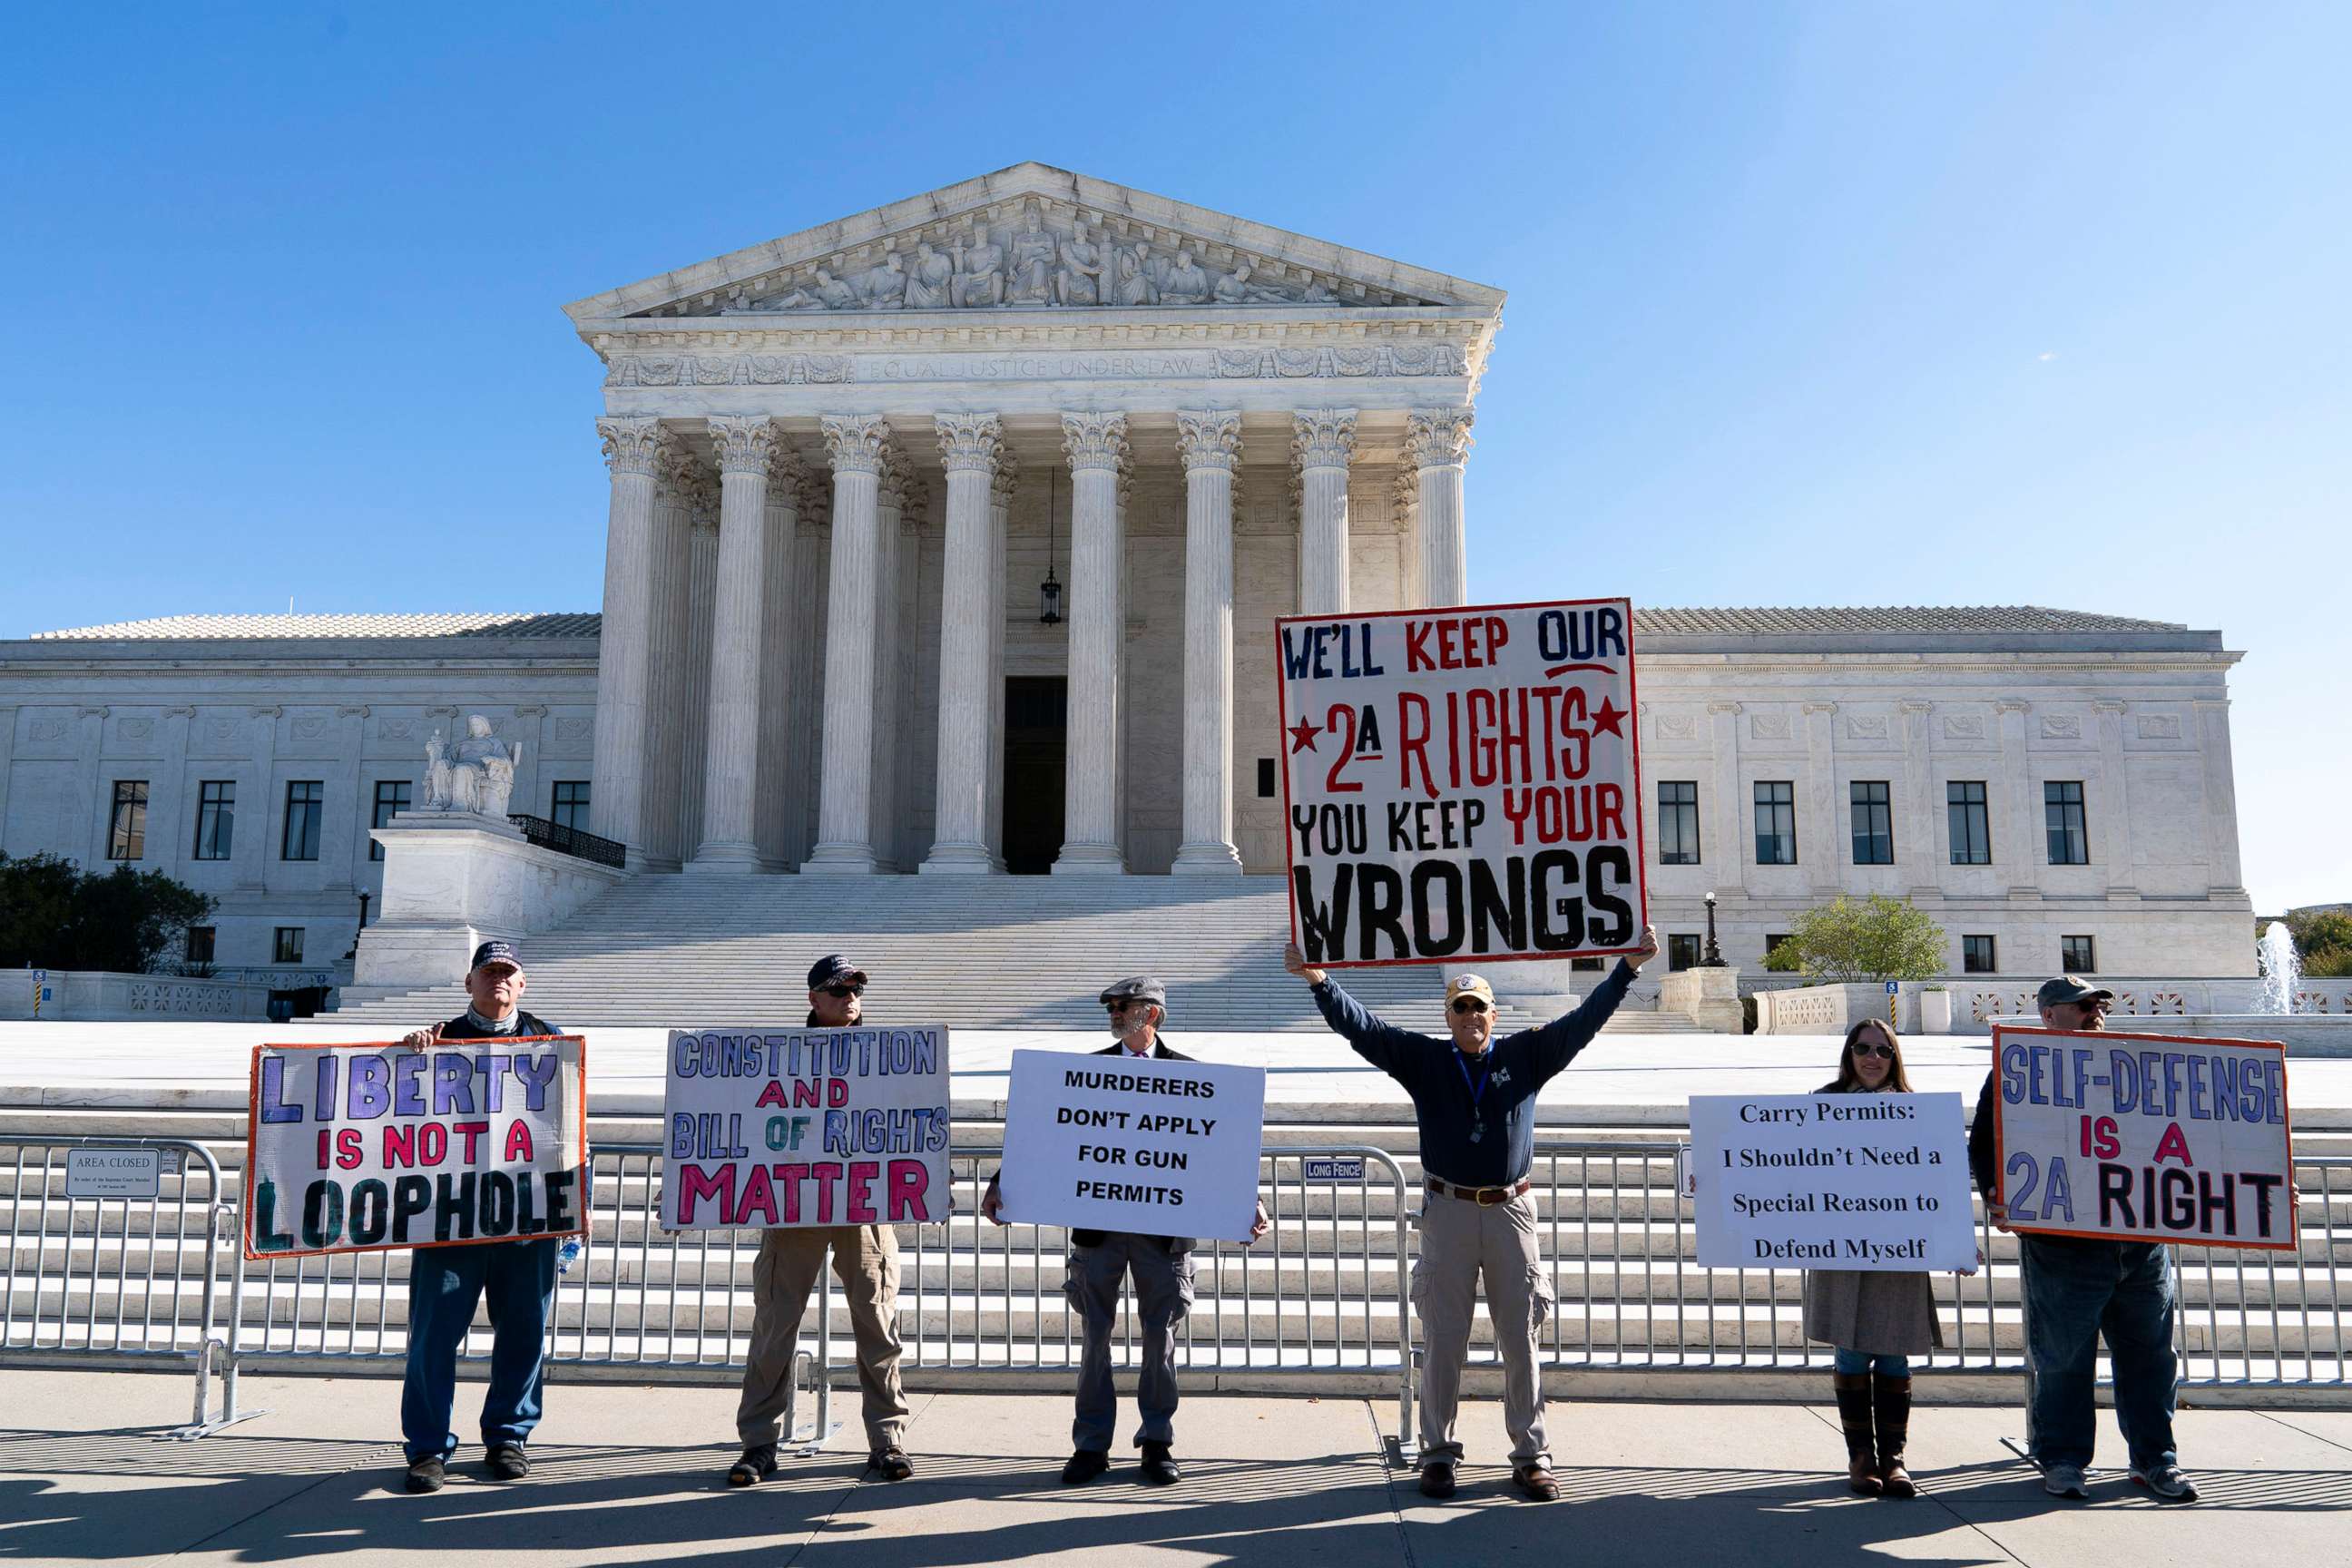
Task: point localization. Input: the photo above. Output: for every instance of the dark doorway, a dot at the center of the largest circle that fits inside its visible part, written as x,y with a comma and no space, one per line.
1036,738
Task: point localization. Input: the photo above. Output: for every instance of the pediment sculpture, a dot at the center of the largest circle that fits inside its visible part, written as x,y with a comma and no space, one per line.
1055,260
476,776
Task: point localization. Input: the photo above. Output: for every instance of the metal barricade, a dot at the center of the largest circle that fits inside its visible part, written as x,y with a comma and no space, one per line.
117,1280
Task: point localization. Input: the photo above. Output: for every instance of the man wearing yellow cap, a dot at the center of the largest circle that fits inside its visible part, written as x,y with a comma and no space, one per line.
1473,1098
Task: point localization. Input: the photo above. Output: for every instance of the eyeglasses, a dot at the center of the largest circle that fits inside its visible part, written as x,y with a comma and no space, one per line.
1122,1005
1469,1005
2095,1004
840,992
1883,1053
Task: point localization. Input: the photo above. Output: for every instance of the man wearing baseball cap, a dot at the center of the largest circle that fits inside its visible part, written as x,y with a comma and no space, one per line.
2077,1288
1473,1098
865,1260
445,1282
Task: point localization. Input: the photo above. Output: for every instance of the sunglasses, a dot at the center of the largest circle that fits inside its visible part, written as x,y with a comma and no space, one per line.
839,992
1122,1005
1469,1005
1883,1053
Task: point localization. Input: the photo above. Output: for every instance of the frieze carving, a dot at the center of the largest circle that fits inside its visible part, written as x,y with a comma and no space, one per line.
221,731
1208,437
739,370
1767,727
2060,727
1866,726
48,729
135,729
396,729
309,728
2159,727
1052,257
575,729
1311,362
1677,727
1964,727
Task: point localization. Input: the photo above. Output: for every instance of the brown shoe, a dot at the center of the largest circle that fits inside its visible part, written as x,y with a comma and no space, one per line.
891,1463
1537,1481
1890,1403
1438,1479
1860,1439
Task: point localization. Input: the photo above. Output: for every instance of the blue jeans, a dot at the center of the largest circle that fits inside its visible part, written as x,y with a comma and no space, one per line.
2076,1290
1854,1362
443,1284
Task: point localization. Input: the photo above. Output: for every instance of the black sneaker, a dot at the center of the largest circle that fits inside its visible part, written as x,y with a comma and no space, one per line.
1160,1466
1085,1466
758,1463
1438,1479
507,1461
891,1463
425,1475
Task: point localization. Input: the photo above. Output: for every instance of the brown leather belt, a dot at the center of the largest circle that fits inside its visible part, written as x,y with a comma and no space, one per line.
1485,1197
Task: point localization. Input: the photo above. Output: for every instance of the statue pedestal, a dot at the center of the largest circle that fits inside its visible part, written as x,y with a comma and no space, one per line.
453,879
1707,997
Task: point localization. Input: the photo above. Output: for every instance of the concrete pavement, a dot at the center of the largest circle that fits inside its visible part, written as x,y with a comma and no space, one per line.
631,1476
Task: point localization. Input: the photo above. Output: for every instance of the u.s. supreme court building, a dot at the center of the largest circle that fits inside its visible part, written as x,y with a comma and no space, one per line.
947,540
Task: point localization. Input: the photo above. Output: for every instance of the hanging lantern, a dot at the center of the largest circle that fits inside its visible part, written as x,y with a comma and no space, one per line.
1049,592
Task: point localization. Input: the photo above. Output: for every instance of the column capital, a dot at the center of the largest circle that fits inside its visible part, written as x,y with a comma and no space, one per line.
1005,480
743,443
1919,709
1405,496
903,491
788,479
1095,440
857,443
1322,437
1437,437
1208,437
2109,705
969,443
631,445
2012,705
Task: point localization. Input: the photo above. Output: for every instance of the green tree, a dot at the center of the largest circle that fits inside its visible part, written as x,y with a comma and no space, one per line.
2324,939
1854,940
55,916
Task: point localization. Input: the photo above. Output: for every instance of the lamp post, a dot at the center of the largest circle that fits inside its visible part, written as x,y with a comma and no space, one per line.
1713,958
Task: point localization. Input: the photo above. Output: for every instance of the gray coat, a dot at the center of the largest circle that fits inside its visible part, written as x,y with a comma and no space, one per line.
1873,1312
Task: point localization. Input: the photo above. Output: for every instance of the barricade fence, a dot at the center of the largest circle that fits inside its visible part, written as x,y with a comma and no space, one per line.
1321,1302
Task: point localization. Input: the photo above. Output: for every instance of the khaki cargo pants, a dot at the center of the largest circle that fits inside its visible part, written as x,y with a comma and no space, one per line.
866,1260
1462,1243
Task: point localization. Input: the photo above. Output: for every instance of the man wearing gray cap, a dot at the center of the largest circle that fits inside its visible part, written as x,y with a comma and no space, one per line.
2078,1287
1099,1260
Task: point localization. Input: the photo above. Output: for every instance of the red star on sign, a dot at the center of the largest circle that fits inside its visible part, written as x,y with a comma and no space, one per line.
1302,737
1608,717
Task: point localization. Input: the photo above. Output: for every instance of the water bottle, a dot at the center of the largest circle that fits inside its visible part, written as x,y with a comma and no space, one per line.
566,1255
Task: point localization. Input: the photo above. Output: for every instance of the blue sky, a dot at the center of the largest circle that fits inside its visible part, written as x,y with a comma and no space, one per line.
1859,303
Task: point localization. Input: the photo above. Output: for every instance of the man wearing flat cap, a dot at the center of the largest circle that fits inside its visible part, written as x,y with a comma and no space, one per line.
1161,1267
865,1260
446,1282
2078,1289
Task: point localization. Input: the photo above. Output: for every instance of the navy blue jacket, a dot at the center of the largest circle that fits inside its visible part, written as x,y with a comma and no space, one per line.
1434,1072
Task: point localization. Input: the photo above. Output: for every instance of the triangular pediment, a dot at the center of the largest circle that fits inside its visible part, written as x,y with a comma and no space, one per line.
1036,238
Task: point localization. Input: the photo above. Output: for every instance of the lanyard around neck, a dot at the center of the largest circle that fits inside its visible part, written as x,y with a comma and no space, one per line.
1477,1087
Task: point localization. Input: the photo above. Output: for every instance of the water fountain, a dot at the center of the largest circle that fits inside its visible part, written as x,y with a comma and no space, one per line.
2281,968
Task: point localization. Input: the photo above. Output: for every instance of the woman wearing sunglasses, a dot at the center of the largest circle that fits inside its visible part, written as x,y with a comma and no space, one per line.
1877,1321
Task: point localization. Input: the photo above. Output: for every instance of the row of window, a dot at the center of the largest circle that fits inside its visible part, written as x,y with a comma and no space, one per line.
1979,954
286,947
1966,816
306,808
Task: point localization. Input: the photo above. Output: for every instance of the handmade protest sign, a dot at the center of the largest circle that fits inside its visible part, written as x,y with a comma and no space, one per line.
359,1148
1868,1181
2143,1137
1462,784
1132,1144
786,1127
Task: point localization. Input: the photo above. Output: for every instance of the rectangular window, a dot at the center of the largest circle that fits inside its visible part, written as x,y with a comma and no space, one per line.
1964,807
306,800
391,798
201,940
1977,955
2062,812
216,819
1585,965
568,803
1773,939
2078,955
1682,951
287,948
1873,823
1678,822
1776,823
1266,785
126,838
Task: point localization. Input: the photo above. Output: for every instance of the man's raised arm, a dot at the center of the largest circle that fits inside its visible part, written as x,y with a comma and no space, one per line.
1557,1043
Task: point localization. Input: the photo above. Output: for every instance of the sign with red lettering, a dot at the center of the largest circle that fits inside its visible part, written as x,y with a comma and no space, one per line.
1462,784
780,1129
361,1148
2143,1137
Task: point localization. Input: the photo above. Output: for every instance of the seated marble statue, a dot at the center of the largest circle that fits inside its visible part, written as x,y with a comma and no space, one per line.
978,271
1186,283
1034,250
825,293
1078,281
928,285
1133,284
477,776
884,284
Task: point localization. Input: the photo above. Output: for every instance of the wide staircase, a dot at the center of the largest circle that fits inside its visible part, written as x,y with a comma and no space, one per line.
999,952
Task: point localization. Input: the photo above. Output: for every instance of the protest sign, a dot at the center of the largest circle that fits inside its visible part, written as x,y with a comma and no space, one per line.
786,1127
1132,1144
359,1148
2143,1137
1868,1181
1462,784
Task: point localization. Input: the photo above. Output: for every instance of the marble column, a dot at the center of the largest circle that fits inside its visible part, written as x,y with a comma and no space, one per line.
2015,818
745,447
668,595
251,855
701,609
1734,812
1436,442
1404,509
1000,525
900,502
1831,850
1321,442
812,566
1209,442
771,800
845,832
2224,876
1097,446
2113,802
1914,834
969,444
623,648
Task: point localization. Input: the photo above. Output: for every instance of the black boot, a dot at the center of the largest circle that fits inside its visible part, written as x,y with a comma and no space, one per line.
1861,1446
1891,1402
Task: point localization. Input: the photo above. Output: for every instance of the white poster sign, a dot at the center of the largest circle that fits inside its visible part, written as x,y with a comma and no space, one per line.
1132,1144
1871,1182
780,1129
